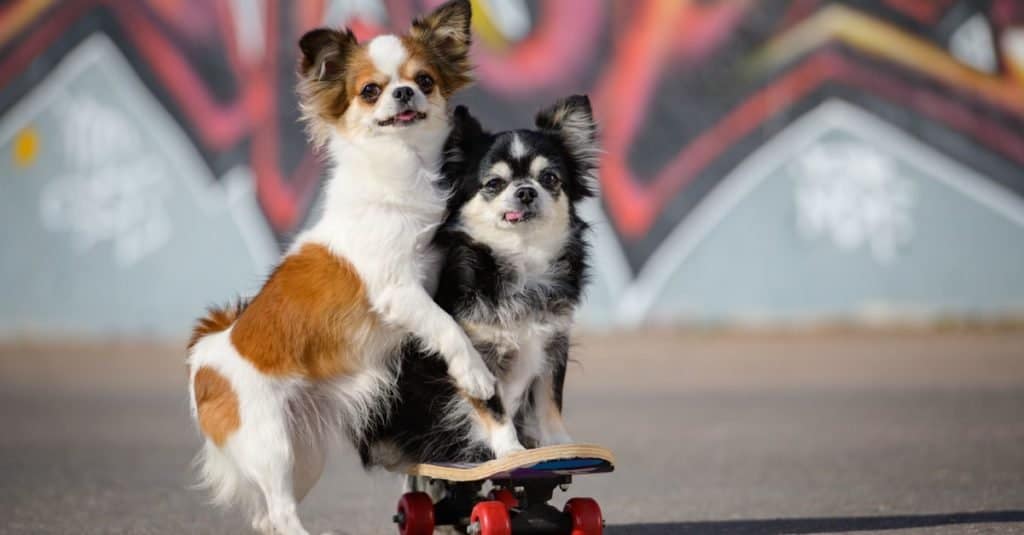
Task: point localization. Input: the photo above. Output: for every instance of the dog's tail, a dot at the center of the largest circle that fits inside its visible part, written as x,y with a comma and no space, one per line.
217,319
217,472
221,478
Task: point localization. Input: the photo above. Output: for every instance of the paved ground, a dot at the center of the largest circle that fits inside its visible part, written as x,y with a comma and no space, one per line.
880,433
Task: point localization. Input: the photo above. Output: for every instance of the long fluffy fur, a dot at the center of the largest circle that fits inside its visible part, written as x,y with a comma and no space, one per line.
486,288
314,354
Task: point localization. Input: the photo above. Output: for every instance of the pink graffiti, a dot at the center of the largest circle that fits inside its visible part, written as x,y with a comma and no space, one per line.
561,44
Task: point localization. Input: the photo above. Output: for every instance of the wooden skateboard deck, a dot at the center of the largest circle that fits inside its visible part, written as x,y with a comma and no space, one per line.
537,463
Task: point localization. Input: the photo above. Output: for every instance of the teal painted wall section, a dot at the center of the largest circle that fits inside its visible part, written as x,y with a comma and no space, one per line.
116,228
960,258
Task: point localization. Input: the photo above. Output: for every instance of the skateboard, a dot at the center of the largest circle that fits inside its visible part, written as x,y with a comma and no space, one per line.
521,485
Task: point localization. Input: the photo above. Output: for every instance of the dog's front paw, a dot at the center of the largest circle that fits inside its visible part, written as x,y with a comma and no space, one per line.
473,378
504,450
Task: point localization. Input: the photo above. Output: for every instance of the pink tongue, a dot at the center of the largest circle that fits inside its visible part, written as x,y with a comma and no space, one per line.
406,115
513,216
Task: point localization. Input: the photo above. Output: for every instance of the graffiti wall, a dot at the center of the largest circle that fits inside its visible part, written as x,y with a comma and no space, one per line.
765,161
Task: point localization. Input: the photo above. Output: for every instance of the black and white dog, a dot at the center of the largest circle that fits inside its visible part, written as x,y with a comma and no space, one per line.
515,263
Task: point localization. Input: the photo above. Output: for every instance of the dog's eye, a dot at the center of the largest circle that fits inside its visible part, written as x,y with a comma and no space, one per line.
548,179
370,92
494,184
425,82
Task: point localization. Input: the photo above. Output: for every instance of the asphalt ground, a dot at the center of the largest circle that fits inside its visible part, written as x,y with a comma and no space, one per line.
714,433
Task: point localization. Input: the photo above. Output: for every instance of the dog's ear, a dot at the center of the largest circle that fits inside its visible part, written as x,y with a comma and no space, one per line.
325,53
322,88
571,120
466,131
461,152
445,33
447,27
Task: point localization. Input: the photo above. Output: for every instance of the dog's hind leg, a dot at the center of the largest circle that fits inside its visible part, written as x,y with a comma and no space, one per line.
282,466
542,416
542,420
310,455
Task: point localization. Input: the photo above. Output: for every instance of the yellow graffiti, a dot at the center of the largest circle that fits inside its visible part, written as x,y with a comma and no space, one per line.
20,15
486,28
26,147
882,39
1013,51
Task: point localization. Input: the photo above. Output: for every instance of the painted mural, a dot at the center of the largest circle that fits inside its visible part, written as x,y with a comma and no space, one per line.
765,161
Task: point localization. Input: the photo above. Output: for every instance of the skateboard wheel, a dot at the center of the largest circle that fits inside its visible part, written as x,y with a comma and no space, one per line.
586,516
490,518
506,497
415,514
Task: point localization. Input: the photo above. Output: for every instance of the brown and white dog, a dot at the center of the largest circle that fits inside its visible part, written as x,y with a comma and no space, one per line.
314,352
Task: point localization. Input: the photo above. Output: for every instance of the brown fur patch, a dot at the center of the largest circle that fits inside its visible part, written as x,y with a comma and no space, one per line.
485,414
449,73
555,414
216,404
554,405
417,64
443,39
305,320
215,321
324,92
362,71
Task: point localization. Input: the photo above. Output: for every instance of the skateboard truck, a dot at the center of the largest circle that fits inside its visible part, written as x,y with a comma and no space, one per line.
518,502
501,513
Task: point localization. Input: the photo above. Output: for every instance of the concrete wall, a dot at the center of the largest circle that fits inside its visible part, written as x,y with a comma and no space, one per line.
766,162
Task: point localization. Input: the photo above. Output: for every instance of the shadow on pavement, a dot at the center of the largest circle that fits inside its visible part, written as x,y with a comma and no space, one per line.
781,526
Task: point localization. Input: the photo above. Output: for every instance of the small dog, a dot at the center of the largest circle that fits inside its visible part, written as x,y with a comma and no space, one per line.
314,353
515,265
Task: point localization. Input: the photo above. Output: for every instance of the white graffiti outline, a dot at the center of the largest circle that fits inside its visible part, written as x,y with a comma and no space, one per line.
185,163
634,300
852,195
113,191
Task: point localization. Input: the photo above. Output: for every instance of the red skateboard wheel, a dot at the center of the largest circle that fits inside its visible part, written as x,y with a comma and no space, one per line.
491,518
415,514
506,497
586,516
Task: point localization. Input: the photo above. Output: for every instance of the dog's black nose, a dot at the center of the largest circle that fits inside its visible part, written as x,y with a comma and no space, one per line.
402,94
526,194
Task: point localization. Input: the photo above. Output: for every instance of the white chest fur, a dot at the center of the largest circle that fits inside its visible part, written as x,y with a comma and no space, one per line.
381,209
380,213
